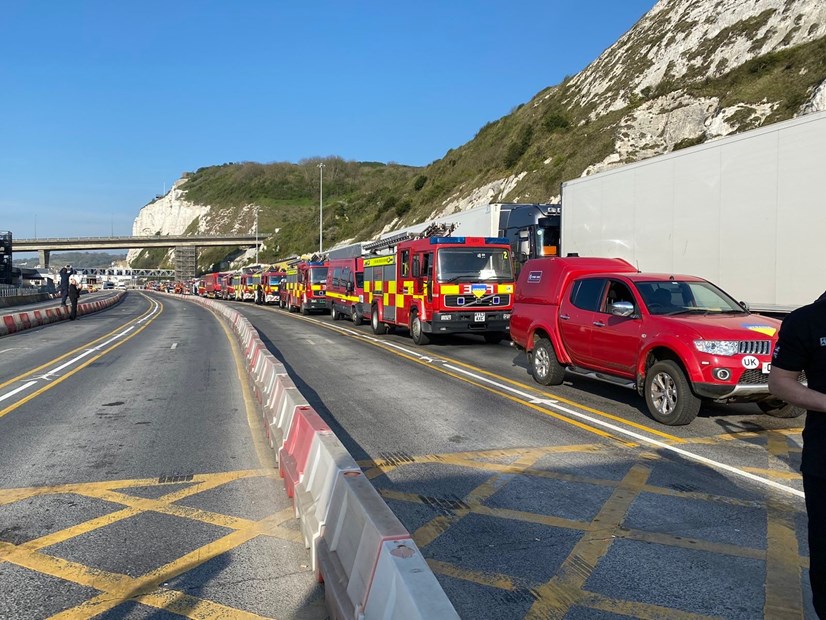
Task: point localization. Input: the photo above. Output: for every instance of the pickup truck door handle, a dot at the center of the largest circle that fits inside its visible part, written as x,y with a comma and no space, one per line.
564,317
599,324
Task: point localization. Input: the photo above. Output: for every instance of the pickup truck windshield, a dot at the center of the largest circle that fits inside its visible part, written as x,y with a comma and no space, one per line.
318,275
474,264
671,297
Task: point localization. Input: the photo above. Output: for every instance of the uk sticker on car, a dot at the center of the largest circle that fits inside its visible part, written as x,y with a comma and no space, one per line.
479,317
751,362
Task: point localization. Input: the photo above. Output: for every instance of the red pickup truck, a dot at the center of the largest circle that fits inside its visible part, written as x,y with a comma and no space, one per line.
676,339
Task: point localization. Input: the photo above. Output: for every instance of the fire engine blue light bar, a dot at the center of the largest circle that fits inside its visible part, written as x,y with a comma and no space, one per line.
496,240
435,240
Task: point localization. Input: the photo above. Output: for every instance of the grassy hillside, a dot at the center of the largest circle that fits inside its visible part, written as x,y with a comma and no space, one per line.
550,139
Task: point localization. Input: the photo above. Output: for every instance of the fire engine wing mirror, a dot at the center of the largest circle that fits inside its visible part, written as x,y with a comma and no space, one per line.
622,308
524,234
350,287
745,306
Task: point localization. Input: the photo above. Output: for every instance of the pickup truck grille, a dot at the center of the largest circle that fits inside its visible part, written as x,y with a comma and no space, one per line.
468,301
755,347
753,377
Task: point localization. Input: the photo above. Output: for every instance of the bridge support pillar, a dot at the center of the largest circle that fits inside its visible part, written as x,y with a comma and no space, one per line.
43,259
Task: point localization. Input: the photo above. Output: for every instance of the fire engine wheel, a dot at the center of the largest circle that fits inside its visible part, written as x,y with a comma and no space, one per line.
355,316
303,309
668,394
417,332
544,365
780,409
379,328
333,314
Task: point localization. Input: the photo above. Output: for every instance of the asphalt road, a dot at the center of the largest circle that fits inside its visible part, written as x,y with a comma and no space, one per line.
568,502
527,502
132,483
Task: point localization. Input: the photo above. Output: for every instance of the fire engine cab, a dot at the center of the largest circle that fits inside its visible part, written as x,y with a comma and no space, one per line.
306,285
435,285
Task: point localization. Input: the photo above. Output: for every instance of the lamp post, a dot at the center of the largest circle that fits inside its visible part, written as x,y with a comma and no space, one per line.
320,205
256,235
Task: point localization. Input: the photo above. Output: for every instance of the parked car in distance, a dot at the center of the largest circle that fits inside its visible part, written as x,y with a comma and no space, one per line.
676,339
108,286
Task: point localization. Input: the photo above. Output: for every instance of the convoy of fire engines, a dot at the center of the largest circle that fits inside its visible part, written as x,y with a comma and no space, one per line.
459,275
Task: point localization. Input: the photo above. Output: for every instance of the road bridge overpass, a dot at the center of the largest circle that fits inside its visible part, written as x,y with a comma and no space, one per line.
45,246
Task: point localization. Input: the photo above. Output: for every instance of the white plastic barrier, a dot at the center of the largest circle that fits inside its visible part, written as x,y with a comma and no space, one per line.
404,588
358,522
282,416
327,459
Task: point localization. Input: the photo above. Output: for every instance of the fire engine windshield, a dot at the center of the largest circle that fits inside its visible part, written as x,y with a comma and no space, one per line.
318,275
466,264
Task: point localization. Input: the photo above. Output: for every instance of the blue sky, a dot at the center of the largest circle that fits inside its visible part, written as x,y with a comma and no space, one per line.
105,104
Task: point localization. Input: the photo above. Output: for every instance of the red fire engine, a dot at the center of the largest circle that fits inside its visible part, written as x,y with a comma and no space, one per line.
271,279
345,289
441,285
306,287
212,285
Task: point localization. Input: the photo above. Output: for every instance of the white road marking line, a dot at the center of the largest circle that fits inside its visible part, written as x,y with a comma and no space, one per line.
174,346
25,386
637,436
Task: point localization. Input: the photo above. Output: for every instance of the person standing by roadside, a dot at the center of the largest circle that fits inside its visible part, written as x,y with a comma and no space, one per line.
65,272
801,346
74,295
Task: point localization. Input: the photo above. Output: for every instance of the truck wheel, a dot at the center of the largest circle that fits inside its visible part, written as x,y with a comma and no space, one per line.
303,309
545,367
417,332
779,409
355,316
494,337
668,394
379,328
333,314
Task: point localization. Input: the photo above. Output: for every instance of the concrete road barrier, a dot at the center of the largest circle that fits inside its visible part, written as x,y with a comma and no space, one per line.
358,522
292,457
404,587
326,461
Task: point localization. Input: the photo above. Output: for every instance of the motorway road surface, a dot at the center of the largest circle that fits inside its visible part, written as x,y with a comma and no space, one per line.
528,502
131,482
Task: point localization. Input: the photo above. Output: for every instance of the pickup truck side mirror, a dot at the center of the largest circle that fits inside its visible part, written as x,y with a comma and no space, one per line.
621,308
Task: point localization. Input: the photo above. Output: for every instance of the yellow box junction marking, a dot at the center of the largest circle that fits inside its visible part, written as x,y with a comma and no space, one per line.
554,599
118,588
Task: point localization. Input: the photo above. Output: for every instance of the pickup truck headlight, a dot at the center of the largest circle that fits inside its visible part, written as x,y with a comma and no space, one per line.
718,347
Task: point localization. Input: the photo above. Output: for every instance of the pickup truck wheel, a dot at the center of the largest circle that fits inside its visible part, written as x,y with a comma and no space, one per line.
669,396
355,316
545,367
379,328
779,409
417,332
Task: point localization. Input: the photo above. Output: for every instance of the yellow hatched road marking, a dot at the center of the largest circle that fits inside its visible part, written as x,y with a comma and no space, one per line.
564,590
784,593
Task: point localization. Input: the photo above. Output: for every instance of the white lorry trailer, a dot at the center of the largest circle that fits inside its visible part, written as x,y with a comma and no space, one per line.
747,212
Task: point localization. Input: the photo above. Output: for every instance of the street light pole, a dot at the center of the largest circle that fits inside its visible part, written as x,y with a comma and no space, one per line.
256,235
320,206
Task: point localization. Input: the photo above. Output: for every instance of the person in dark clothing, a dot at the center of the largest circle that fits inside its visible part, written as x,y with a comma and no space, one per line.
65,272
259,294
801,346
74,295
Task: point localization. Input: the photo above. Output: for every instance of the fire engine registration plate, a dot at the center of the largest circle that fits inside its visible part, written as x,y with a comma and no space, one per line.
479,317
767,367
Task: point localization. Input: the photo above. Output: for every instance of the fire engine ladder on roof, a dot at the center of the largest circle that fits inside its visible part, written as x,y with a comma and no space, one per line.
434,230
